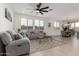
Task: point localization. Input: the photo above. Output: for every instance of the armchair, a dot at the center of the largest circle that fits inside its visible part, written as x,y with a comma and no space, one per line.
15,47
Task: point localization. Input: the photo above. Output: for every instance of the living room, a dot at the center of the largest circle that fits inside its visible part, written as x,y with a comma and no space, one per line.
44,29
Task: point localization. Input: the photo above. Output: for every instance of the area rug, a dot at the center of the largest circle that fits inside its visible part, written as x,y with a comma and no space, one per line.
47,43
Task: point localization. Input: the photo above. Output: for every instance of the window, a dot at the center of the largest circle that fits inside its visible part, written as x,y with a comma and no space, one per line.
72,25
30,22
41,23
76,24
56,24
23,22
36,23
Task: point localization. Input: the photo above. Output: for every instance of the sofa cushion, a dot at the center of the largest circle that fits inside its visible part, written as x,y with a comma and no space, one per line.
6,38
11,33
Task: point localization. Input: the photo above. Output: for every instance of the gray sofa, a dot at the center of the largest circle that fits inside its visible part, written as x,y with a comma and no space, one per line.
35,34
12,47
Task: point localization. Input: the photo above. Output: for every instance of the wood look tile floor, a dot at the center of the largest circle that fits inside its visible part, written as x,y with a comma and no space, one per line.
69,49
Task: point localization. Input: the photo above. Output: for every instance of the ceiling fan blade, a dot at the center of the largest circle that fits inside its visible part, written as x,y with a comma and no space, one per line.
45,8
39,5
41,13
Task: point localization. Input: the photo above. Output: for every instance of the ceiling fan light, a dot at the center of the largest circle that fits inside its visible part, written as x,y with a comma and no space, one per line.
37,11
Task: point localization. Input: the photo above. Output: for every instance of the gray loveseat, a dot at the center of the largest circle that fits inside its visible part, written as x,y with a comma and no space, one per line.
12,47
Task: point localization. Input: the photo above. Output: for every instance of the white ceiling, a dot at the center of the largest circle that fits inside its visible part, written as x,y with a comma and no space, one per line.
60,11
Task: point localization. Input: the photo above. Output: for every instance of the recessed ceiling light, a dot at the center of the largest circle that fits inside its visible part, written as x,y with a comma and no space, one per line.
23,11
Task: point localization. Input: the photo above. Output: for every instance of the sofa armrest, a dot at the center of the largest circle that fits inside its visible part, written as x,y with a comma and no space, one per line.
18,47
19,42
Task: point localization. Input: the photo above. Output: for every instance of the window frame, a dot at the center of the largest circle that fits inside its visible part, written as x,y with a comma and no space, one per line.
34,26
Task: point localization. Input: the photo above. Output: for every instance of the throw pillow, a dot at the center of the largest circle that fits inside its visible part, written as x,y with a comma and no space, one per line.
17,36
23,34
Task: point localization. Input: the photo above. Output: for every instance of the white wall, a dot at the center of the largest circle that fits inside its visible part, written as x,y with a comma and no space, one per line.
52,30
49,30
4,23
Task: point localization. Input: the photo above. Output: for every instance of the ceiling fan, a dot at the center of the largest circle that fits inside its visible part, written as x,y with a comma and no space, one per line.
42,10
